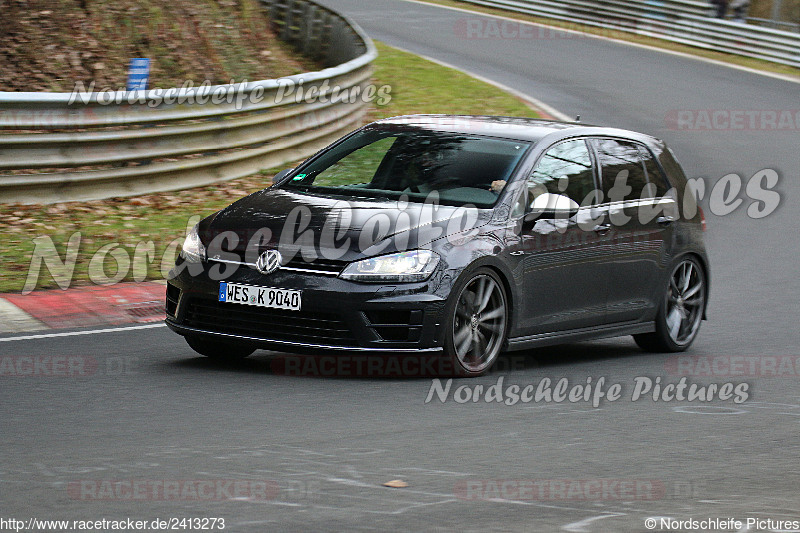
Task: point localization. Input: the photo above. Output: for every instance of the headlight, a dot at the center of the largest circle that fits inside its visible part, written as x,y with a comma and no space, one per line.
193,250
414,265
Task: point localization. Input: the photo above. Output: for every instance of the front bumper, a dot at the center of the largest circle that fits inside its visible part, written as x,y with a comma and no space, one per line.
336,314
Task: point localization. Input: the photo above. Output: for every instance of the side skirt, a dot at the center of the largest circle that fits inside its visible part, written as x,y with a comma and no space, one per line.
582,334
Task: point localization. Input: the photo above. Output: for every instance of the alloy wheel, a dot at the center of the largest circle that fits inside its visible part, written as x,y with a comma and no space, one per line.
479,324
685,302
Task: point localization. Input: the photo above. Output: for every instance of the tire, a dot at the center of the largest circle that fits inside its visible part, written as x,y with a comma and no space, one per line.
680,310
219,351
476,325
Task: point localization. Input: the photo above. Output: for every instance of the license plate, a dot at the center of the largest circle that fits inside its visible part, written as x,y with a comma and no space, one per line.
259,296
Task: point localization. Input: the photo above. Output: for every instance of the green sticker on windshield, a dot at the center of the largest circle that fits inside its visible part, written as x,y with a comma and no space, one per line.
299,177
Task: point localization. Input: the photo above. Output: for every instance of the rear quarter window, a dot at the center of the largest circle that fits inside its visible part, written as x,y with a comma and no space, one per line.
655,177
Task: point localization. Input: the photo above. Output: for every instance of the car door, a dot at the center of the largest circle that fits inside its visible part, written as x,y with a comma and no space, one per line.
641,214
564,257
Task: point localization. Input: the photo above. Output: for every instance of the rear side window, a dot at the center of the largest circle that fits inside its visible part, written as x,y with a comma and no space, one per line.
643,173
677,177
621,160
672,167
655,176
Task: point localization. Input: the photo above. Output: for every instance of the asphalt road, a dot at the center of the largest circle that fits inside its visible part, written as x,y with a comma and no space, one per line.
312,453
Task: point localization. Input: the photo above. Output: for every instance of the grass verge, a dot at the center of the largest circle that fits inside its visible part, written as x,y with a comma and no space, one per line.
156,223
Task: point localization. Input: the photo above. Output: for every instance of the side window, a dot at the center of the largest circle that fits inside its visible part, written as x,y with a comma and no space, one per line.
565,169
658,184
621,167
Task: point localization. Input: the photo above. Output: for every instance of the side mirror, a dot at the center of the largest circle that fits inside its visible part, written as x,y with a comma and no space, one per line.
551,205
282,176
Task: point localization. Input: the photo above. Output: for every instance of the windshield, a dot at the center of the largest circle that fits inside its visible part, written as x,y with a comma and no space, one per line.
460,168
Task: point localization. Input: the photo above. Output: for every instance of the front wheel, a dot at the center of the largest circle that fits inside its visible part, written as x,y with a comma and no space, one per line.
477,322
220,351
680,311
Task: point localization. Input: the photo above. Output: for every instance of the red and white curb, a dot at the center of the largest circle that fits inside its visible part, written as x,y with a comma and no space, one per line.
78,307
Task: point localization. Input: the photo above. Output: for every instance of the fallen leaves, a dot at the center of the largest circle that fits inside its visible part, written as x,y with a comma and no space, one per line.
52,49
396,484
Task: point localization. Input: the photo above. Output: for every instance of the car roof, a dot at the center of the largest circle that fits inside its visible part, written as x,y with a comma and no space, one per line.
518,128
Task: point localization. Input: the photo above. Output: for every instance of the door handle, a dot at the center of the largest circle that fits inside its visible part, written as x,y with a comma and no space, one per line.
518,252
664,221
602,228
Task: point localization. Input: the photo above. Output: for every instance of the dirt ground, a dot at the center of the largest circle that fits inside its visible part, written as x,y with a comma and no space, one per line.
49,45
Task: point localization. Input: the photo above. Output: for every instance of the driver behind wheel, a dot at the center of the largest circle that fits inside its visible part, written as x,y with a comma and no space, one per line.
421,171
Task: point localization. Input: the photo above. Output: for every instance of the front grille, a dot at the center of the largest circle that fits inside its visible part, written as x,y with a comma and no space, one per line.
274,324
325,265
329,266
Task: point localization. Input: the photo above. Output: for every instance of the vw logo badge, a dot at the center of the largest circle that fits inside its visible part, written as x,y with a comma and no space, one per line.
268,262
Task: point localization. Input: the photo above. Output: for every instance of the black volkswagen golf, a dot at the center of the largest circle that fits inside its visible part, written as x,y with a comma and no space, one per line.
459,235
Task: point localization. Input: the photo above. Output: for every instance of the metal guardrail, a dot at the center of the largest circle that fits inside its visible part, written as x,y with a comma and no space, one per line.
680,21
52,150
777,24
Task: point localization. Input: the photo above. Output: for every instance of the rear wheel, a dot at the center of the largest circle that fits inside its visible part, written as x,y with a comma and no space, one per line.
680,312
220,351
477,323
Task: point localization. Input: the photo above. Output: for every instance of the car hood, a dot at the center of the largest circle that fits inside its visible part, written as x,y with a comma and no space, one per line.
334,227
